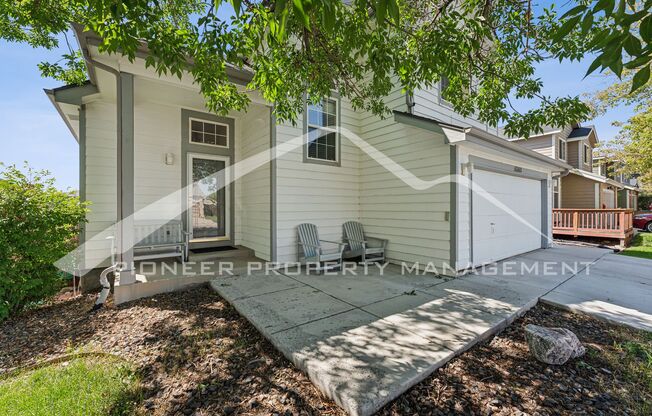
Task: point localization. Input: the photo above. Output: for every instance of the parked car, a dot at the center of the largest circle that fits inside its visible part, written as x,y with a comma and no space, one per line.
643,221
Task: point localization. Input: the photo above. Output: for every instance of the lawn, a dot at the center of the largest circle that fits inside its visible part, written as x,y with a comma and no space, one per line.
82,386
641,246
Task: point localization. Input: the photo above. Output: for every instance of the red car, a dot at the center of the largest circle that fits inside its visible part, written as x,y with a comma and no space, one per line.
643,221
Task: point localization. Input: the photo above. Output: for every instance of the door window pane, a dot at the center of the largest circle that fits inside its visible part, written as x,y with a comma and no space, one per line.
207,199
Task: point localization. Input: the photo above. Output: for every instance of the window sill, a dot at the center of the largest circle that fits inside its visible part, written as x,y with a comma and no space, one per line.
322,162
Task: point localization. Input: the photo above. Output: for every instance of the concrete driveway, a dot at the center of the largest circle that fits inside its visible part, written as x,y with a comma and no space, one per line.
364,339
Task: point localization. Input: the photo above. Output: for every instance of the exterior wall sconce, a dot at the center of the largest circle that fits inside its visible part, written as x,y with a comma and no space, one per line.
169,158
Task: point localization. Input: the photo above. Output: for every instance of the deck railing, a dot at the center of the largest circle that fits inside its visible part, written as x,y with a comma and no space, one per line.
607,223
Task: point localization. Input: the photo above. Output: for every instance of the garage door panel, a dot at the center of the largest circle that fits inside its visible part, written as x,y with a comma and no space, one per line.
498,233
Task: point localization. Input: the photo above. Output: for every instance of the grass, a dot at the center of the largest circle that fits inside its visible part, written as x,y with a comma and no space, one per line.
641,246
632,355
83,386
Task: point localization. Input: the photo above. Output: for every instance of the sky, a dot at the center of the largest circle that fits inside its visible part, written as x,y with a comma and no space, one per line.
32,130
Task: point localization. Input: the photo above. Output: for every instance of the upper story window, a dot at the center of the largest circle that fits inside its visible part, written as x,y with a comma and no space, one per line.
561,149
322,146
597,169
587,154
443,86
209,133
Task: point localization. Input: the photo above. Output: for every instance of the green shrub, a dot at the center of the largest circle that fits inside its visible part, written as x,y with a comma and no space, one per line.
644,201
38,225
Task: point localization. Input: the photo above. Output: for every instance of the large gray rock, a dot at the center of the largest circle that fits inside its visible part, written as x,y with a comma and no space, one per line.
553,345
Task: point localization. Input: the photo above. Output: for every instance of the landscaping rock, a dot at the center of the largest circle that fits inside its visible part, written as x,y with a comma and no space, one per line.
553,345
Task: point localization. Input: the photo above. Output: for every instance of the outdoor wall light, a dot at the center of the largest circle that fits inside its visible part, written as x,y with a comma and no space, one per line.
169,158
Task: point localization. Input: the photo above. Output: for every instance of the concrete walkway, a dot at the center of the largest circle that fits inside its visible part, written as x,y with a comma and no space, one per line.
616,288
364,339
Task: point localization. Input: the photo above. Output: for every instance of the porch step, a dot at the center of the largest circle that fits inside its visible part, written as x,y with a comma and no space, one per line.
236,252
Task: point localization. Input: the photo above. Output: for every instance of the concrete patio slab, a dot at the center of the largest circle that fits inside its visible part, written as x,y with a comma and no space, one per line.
237,287
357,290
364,339
365,367
285,309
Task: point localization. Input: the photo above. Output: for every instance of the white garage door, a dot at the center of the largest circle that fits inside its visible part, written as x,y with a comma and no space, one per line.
498,234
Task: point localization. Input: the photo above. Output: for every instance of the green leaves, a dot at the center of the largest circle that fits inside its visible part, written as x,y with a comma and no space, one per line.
38,225
301,12
383,9
73,71
619,34
641,78
364,49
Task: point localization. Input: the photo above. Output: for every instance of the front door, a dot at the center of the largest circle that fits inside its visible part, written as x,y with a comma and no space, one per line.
208,198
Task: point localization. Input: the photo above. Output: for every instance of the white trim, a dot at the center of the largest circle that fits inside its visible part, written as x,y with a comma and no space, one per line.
227,195
190,119
596,190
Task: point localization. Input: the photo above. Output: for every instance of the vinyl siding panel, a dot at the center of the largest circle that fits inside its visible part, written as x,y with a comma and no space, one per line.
360,189
428,104
320,194
542,145
412,220
577,192
157,131
252,204
572,158
101,180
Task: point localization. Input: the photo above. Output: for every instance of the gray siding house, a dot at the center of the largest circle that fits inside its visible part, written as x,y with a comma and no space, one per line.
144,137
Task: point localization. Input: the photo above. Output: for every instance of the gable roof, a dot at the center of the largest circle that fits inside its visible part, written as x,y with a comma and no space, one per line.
581,132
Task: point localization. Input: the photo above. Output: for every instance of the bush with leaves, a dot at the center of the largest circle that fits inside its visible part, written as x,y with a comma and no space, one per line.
644,202
38,225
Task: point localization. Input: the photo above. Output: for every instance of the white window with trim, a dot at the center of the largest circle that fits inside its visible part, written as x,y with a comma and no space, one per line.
322,146
555,193
587,154
209,133
561,149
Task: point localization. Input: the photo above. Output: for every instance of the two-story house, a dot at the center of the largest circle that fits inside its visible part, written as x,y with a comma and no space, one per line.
581,187
150,150
628,195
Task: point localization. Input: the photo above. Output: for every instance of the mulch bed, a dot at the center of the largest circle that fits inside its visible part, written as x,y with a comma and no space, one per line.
499,377
197,356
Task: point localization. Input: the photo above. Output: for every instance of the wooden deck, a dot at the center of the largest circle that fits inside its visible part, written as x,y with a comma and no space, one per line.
600,223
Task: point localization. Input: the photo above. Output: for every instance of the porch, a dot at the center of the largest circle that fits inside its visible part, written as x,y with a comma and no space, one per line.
602,223
156,276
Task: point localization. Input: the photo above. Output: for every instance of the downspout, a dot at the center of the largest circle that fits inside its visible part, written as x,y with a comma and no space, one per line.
106,287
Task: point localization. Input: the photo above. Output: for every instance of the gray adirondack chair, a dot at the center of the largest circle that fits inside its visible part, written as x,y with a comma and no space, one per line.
370,249
311,249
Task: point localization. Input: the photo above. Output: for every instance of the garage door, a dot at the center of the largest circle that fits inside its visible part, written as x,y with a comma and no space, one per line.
498,234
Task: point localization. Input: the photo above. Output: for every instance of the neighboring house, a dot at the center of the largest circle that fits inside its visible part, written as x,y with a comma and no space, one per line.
582,187
142,137
628,195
